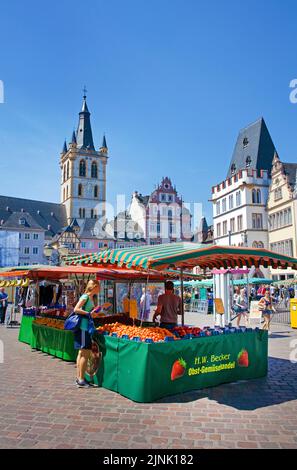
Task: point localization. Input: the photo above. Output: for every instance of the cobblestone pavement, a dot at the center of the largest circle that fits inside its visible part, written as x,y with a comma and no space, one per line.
41,408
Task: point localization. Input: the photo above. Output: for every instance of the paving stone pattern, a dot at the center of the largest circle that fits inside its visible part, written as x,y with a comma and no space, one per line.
40,407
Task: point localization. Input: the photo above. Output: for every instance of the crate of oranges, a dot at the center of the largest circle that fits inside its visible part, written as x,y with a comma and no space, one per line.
50,323
156,334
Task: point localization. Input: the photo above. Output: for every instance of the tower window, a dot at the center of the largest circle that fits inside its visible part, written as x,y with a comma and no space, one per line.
94,170
66,192
233,168
82,213
82,168
64,173
80,190
96,191
67,170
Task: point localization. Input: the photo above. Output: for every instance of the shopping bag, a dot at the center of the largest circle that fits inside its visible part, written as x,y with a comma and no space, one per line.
72,323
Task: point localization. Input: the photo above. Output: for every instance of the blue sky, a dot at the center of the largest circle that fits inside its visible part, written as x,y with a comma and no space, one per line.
170,82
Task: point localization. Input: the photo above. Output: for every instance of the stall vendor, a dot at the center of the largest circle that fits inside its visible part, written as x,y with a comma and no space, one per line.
169,307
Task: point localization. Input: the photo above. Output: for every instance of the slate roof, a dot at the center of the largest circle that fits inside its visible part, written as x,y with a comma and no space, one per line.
92,228
13,221
84,136
290,171
143,199
259,148
43,213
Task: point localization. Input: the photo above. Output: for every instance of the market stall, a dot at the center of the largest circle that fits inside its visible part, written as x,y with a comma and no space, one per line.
145,368
145,364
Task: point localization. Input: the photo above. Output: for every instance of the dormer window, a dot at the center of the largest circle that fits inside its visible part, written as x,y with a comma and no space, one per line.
233,168
22,221
245,142
248,162
166,186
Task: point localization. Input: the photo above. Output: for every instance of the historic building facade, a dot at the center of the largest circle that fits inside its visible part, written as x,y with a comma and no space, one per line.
162,215
83,173
282,212
239,202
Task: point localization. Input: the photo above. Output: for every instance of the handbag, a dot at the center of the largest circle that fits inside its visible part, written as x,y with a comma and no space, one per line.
72,322
91,326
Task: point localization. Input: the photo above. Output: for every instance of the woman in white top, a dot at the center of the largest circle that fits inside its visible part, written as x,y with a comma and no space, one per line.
241,306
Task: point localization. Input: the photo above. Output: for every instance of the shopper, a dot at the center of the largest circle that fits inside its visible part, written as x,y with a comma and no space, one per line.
82,338
169,307
241,306
145,304
265,305
3,305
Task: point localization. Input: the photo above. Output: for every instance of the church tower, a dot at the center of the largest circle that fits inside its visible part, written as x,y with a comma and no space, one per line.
83,172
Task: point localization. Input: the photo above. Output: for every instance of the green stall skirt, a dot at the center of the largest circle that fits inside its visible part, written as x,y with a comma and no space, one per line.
146,372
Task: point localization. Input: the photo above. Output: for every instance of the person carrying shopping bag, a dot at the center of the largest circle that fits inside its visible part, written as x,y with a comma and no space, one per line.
82,336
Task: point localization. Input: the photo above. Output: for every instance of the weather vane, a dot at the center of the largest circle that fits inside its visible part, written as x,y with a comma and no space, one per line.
85,91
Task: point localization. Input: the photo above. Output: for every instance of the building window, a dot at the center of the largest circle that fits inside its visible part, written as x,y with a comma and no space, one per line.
66,192
83,244
158,228
82,213
225,227
80,189
224,205
92,213
254,196
238,198
170,198
245,142
232,225
94,170
218,208
231,202
20,235
27,250
289,216
27,236
260,245
284,247
163,197
170,213
82,168
258,196
218,230
64,173
35,250
96,191
248,161
257,221
255,245
35,236
278,194
67,169
233,169
239,223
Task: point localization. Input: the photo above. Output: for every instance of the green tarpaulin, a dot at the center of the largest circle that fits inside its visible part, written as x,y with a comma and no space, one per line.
142,371
59,343
25,334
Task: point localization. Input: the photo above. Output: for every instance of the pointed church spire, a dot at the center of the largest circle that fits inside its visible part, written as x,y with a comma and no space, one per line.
73,139
64,150
104,148
84,137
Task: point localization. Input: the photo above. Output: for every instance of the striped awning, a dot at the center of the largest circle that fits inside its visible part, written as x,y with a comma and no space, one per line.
187,255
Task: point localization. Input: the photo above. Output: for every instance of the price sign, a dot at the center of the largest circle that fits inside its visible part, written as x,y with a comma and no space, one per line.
219,306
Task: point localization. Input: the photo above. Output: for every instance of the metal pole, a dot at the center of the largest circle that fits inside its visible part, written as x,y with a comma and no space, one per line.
182,295
145,291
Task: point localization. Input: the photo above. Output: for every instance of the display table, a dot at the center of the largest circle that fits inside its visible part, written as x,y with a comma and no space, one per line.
25,334
143,371
59,343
